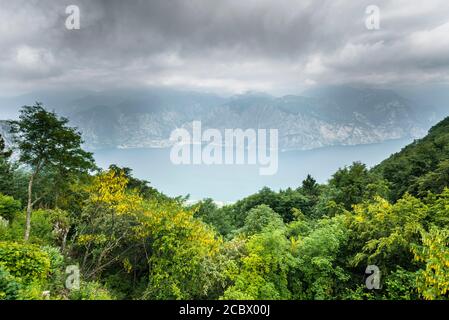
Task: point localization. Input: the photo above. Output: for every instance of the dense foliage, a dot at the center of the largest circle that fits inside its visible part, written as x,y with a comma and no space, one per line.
421,167
129,241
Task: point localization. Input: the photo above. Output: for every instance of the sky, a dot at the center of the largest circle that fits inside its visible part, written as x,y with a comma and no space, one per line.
222,46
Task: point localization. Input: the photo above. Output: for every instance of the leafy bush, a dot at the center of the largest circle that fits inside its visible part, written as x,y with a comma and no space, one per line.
9,286
8,207
401,285
32,291
43,228
56,258
90,291
24,261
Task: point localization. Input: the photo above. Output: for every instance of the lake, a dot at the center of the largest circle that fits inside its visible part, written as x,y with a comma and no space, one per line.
228,183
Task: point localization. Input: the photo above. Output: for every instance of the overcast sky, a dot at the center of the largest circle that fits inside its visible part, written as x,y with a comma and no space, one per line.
222,46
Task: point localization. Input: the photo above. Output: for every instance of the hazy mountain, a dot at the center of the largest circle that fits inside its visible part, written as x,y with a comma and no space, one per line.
431,102
4,132
321,117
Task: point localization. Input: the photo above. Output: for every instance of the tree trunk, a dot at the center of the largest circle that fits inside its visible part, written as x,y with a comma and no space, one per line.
64,241
29,208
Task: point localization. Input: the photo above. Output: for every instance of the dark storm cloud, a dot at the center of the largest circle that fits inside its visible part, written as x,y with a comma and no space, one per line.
222,45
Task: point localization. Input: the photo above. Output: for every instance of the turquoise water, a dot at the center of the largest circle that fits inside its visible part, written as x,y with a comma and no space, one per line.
229,183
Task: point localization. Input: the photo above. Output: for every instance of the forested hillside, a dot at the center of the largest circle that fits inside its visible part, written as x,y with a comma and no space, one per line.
420,167
130,241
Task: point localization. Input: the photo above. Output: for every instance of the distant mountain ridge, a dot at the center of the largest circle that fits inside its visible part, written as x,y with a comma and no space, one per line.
318,118
4,132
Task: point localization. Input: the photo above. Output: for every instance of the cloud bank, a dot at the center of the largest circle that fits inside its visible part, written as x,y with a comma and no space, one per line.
231,46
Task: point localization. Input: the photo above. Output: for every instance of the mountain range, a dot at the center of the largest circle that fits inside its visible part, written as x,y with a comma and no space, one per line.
326,116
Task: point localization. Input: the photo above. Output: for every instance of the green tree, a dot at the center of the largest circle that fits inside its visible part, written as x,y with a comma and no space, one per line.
105,227
310,187
264,270
434,181
208,211
45,141
382,233
433,280
311,190
260,218
319,273
141,186
282,202
354,184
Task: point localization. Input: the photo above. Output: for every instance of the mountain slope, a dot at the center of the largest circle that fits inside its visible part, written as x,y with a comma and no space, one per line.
421,166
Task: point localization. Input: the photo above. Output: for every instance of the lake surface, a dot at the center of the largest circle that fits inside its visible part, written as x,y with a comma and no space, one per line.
228,183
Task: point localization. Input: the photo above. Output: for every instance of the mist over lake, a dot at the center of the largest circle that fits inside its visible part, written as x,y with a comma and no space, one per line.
228,183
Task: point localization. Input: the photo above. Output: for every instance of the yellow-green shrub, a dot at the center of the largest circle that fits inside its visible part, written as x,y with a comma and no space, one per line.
24,261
